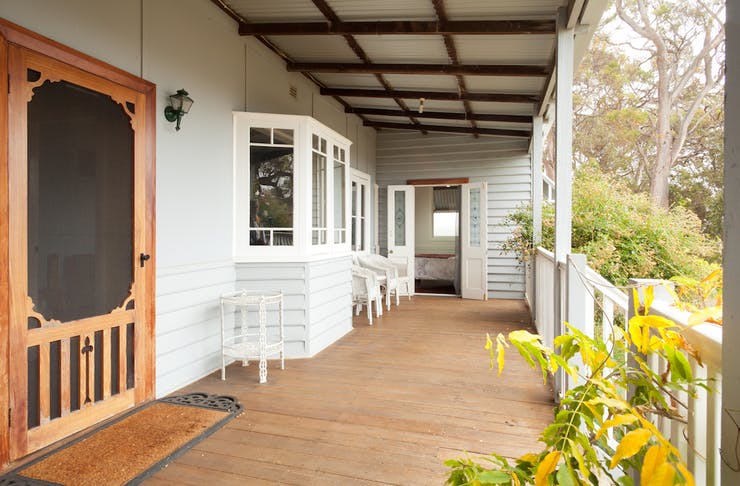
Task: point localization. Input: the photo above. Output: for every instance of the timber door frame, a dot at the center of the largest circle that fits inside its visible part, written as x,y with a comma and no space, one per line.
13,34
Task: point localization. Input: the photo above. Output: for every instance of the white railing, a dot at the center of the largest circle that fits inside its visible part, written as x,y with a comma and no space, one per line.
587,298
699,439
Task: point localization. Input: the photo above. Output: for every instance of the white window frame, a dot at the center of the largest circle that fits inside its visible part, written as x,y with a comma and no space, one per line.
362,179
303,129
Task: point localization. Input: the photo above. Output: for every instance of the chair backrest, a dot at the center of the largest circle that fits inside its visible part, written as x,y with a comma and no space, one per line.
364,282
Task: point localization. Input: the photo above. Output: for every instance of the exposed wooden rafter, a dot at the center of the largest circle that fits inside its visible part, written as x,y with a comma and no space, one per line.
432,95
242,21
401,27
440,128
443,69
439,9
331,16
443,115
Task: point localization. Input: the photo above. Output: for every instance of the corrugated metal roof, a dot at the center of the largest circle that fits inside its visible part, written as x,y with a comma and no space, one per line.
340,80
500,84
328,48
502,9
420,81
383,9
534,49
404,48
505,49
276,11
502,108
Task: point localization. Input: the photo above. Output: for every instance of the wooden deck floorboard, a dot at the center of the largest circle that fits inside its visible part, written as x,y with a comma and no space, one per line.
387,404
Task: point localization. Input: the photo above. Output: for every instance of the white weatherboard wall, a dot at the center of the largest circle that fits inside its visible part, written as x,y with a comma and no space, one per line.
502,162
192,44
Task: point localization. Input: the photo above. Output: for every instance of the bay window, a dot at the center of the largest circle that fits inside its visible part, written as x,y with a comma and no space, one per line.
291,187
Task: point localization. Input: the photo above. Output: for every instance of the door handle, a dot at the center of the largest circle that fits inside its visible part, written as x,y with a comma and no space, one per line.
143,258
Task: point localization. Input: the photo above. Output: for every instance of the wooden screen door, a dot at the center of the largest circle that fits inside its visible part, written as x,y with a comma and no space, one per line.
79,341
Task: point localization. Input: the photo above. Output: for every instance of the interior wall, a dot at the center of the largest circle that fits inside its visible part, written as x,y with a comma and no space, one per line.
424,234
190,44
502,162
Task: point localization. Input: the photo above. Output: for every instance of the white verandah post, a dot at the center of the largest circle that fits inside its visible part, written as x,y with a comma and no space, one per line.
563,162
537,150
730,448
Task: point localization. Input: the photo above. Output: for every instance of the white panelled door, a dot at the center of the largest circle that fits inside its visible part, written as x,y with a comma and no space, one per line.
401,228
473,258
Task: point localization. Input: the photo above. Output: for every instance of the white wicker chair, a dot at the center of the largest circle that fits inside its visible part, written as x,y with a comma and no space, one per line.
385,271
365,291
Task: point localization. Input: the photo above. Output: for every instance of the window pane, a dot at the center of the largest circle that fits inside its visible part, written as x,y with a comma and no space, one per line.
282,136
354,199
400,218
444,224
475,201
339,195
80,202
318,197
259,135
271,191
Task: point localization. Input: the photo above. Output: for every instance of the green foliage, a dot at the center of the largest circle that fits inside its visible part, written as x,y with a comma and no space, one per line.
623,234
599,435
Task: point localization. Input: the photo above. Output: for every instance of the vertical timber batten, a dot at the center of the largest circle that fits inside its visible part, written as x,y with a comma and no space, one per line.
731,327
563,162
4,271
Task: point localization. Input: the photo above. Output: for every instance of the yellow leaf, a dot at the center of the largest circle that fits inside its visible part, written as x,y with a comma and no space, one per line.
712,276
712,314
616,421
609,402
515,480
529,457
489,343
686,475
523,336
500,343
630,445
636,301
649,297
546,467
654,457
663,476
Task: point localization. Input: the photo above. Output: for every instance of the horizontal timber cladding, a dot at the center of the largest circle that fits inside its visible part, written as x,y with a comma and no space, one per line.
504,163
188,326
317,299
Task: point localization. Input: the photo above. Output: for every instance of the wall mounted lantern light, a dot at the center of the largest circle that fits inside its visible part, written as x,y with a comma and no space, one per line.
180,104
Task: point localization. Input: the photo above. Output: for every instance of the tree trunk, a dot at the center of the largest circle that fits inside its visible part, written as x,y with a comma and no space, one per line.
662,169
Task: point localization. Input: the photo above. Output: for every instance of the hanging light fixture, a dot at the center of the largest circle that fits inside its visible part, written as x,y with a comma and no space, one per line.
180,104
421,105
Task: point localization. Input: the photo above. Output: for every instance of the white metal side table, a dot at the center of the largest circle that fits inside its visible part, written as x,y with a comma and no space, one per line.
253,343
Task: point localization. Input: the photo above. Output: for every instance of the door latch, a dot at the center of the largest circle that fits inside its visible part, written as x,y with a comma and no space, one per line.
143,258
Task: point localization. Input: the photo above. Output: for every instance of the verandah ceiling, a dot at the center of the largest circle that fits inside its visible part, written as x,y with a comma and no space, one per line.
482,66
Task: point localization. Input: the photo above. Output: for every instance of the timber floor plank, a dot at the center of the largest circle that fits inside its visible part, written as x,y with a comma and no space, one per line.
387,404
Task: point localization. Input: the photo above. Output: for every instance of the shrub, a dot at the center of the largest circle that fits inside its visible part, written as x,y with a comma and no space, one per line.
623,234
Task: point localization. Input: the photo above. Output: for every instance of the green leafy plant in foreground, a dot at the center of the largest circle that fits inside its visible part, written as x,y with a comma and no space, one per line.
599,435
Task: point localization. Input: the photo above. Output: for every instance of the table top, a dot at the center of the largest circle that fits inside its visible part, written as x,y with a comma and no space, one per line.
252,297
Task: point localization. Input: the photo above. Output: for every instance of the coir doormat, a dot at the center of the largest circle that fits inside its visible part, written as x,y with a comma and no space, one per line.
133,447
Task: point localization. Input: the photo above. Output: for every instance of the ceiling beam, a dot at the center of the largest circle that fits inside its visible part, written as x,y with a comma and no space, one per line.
451,69
442,115
332,17
439,128
401,27
432,95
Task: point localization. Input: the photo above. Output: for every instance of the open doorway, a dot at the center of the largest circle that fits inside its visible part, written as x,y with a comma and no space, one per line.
437,239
